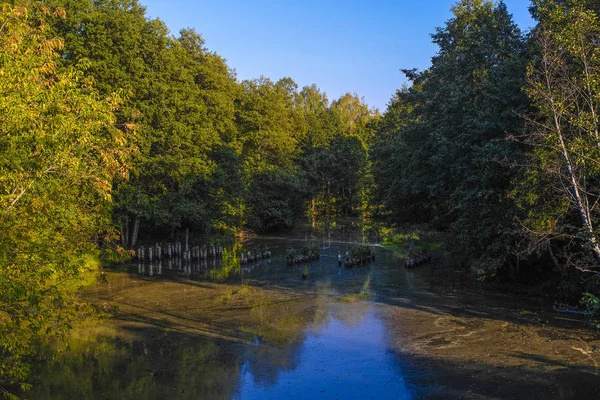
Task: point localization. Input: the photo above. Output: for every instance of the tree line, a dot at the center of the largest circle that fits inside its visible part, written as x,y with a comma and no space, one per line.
497,142
111,128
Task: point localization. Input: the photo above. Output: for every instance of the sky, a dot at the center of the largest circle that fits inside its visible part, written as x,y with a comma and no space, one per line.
341,46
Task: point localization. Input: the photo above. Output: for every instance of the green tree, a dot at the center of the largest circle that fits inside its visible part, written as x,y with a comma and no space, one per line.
451,157
270,124
353,116
59,152
182,98
319,121
560,190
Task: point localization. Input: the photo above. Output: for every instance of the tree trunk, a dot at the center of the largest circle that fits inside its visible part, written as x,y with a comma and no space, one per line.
125,232
312,213
123,236
136,229
580,202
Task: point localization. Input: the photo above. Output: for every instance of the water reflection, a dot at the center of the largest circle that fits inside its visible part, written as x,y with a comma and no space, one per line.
338,360
231,328
216,328
342,355
162,365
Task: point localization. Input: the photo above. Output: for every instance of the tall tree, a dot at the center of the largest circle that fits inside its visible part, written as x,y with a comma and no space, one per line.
453,151
353,116
181,96
59,152
271,124
561,190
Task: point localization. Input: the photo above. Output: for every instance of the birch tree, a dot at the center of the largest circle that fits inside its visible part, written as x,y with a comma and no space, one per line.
563,186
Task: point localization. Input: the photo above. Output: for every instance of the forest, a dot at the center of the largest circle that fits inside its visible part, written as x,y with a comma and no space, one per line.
114,129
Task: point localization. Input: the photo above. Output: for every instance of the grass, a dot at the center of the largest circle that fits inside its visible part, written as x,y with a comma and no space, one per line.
237,293
364,293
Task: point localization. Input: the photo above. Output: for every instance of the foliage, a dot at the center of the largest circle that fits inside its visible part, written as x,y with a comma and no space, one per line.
443,158
560,189
591,304
362,254
59,152
99,102
275,198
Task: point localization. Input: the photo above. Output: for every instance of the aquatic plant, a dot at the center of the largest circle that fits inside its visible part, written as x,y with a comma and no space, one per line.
591,304
362,254
305,251
291,255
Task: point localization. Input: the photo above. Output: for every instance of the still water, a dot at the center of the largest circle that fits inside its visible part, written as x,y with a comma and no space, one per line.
217,329
225,330
336,360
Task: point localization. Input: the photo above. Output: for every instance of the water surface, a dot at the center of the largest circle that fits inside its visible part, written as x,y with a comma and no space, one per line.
221,330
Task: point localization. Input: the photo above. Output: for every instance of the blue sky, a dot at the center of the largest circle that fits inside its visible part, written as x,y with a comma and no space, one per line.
341,46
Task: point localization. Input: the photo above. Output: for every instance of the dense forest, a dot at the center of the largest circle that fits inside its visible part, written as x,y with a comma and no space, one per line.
112,128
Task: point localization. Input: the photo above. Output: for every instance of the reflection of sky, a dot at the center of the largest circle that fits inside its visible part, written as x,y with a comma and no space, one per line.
337,361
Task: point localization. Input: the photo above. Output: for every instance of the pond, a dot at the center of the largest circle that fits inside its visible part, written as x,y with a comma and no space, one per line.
225,330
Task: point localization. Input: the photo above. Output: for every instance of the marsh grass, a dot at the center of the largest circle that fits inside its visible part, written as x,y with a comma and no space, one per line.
364,294
241,293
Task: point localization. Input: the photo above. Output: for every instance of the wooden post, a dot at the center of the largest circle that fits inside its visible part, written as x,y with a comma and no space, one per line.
313,214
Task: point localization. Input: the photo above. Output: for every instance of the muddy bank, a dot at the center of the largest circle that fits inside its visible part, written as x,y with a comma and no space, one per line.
489,346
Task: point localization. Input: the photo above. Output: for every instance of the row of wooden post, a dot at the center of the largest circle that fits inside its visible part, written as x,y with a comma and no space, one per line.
254,255
160,251
178,263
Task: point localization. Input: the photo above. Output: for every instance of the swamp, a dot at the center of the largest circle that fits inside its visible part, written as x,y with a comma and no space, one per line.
221,329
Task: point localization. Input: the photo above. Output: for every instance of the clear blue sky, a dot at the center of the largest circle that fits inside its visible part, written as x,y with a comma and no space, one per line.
341,46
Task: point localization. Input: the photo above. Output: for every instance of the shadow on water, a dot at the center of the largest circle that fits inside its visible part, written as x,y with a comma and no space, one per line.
225,330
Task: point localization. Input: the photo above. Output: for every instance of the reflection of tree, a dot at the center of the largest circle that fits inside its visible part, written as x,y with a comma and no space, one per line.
280,329
230,265
352,314
160,365
266,362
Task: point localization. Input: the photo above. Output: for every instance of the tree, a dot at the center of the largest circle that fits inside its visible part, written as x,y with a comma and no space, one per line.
353,116
320,126
451,158
561,189
270,124
182,97
59,152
